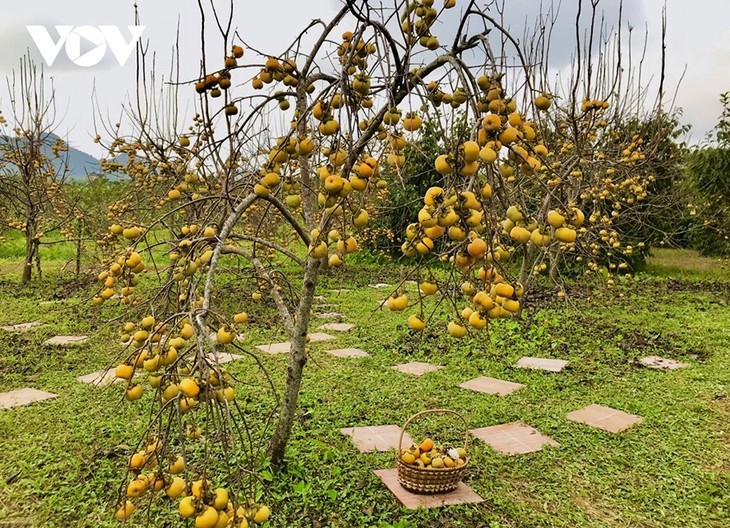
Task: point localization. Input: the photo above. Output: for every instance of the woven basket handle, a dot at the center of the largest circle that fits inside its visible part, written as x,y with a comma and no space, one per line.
432,411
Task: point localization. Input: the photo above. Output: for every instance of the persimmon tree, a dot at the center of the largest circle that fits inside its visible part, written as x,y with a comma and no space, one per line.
33,164
525,180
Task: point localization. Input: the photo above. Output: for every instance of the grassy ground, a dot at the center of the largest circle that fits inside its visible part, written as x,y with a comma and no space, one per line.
63,459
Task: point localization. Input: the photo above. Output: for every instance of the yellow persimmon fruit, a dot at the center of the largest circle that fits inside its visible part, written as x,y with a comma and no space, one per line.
456,329
416,324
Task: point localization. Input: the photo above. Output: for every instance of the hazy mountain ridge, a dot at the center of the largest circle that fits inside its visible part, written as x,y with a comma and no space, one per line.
81,165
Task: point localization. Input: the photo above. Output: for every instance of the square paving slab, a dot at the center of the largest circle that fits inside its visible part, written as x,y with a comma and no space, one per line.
330,315
376,438
513,438
551,365
319,336
338,327
417,368
225,357
285,347
99,378
463,494
25,396
605,418
65,340
491,386
22,327
348,353
659,363
275,348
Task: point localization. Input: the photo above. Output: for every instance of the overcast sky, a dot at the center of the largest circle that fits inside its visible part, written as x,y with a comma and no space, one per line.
697,40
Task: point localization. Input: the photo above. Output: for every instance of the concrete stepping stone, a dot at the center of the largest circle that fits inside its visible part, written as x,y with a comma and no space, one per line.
225,357
348,353
320,336
550,365
285,347
329,315
376,438
417,368
491,386
463,494
379,285
22,327
338,327
513,438
25,396
275,348
99,378
606,418
65,341
659,363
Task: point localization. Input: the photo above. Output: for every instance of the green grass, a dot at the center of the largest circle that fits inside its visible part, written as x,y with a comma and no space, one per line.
687,264
63,460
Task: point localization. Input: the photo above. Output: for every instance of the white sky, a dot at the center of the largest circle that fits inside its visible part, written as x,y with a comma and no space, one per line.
697,40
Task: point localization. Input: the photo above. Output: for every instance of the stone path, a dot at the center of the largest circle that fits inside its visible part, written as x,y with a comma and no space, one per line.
100,378
513,438
659,363
22,327
551,365
376,438
65,341
330,315
338,327
379,285
275,348
491,386
463,494
285,347
25,396
348,353
225,357
416,368
606,418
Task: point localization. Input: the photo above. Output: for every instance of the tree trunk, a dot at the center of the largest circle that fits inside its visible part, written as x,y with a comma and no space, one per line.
37,251
79,234
29,251
297,360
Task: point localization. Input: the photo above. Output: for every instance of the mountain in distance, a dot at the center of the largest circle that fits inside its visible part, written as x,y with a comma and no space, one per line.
82,166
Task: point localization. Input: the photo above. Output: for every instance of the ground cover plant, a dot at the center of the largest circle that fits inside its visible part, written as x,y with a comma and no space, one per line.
64,458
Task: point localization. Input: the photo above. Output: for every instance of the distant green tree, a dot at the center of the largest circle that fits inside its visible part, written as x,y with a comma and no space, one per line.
404,198
708,186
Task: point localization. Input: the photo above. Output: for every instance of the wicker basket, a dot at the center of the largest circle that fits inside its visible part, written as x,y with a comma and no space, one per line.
432,480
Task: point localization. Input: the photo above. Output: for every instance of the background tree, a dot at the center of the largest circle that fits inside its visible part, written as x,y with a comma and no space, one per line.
708,188
32,162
